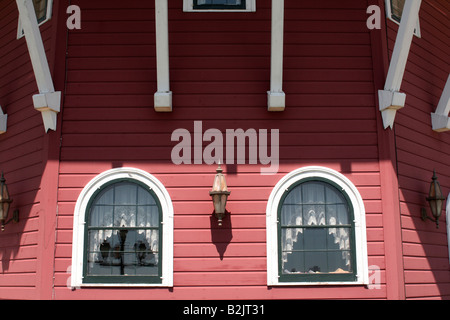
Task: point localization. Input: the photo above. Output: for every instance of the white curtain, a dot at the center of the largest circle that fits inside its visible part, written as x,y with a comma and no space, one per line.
315,205
124,205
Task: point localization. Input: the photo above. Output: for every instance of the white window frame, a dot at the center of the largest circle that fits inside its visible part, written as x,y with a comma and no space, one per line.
417,31
79,226
448,224
48,16
362,272
188,6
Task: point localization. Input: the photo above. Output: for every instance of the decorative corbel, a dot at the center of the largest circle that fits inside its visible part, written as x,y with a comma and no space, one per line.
48,102
441,119
391,99
276,98
163,97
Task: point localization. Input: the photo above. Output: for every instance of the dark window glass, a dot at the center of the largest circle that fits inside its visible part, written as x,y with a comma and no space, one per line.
316,233
219,4
40,7
397,9
123,235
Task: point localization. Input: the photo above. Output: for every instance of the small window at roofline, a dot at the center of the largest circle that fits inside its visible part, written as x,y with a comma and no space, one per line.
394,12
43,10
219,5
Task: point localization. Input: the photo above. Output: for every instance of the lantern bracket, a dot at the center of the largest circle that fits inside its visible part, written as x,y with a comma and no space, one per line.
14,219
425,216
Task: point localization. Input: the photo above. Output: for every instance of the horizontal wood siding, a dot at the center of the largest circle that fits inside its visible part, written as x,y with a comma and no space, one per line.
21,159
220,73
420,151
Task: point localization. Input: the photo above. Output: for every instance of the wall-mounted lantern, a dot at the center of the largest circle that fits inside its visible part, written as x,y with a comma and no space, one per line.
436,200
5,202
219,195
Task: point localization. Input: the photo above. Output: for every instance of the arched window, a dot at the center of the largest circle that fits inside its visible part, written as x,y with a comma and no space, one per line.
316,230
123,232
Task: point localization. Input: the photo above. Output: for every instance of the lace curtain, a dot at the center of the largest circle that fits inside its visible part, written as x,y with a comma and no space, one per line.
306,208
123,231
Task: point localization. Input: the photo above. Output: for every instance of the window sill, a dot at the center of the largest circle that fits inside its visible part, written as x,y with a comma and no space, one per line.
324,283
122,285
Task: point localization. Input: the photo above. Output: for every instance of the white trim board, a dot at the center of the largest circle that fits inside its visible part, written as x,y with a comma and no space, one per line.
391,99
48,102
276,98
448,224
163,96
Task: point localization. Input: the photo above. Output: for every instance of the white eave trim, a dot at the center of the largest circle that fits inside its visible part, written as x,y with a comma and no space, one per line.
48,102
3,121
448,223
441,119
276,98
391,99
163,97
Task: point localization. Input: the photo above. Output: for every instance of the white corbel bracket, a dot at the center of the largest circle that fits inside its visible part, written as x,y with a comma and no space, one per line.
47,101
390,102
391,99
163,96
440,119
49,104
3,121
163,101
276,101
276,98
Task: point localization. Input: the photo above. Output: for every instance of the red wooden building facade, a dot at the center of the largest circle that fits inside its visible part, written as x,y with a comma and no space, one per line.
110,111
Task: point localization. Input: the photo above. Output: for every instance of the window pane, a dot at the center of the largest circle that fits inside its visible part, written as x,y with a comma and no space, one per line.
219,4
148,216
294,263
125,193
315,230
123,232
123,252
313,192
397,9
291,215
101,216
40,7
315,239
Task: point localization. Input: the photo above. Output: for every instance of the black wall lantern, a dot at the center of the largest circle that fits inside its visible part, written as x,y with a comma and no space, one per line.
5,202
436,200
219,195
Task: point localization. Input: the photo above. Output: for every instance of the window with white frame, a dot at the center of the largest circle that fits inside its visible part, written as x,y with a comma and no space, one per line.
394,11
123,231
43,10
219,5
316,230
447,217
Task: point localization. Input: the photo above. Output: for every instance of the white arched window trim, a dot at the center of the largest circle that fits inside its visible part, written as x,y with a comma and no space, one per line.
80,218
362,272
448,224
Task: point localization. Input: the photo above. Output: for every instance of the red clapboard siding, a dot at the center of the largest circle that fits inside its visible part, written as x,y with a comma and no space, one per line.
420,151
22,150
220,74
